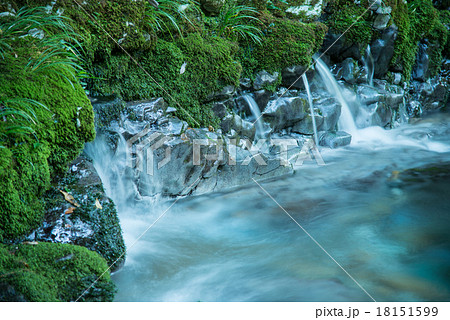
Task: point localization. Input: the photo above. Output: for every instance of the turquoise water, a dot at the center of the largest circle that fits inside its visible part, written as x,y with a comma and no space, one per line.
389,229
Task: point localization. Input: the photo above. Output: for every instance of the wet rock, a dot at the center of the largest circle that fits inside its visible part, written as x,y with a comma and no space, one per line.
397,78
384,10
335,139
220,109
421,68
291,76
262,98
226,93
146,110
245,83
381,21
383,50
414,109
305,126
212,7
349,70
330,109
432,94
90,220
379,115
338,48
243,128
284,112
368,95
263,79
375,5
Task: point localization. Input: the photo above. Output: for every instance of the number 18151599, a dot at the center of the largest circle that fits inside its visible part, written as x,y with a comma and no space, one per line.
407,311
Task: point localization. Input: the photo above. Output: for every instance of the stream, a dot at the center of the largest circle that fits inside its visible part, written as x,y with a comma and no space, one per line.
389,233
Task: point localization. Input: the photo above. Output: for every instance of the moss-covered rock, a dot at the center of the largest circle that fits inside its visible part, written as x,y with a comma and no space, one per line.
286,42
210,65
53,272
28,163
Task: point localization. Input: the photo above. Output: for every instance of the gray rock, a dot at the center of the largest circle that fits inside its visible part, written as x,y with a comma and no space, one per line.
381,21
212,7
291,76
90,224
368,95
245,83
170,110
330,109
335,139
262,97
414,109
263,78
349,70
305,126
375,5
338,48
421,68
284,112
227,92
397,78
383,50
384,10
147,110
219,109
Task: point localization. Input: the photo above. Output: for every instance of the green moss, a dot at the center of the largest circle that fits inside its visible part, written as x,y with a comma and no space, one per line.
416,20
29,162
344,19
210,66
54,272
286,42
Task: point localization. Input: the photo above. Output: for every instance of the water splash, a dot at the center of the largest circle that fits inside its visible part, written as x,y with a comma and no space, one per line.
346,121
369,65
260,133
308,91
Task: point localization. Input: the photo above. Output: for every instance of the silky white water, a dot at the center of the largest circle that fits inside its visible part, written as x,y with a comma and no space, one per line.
256,115
311,109
390,235
346,121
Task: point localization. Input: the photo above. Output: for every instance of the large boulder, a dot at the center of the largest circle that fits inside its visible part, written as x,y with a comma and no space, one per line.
284,112
383,49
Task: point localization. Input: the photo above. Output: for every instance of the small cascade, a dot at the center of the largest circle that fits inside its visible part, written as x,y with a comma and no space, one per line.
260,133
369,65
308,91
346,121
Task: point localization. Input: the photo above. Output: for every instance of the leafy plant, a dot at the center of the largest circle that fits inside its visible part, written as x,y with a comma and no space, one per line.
166,17
16,116
236,21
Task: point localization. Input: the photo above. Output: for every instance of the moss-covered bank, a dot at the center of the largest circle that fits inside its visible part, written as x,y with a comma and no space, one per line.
53,272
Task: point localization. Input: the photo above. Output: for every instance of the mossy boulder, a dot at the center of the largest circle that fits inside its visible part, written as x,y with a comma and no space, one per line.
28,163
53,272
285,43
210,65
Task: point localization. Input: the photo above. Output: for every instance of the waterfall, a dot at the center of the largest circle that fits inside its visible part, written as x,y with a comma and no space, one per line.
346,121
257,114
308,91
369,65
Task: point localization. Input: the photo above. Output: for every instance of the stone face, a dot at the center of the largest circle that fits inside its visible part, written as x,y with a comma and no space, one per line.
421,68
284,112
212,7
330,110
227,92
291,76
335,139
381,21
305,126
383,50
263,78
262,97
90,220
349,70
339,49
219,109
245,83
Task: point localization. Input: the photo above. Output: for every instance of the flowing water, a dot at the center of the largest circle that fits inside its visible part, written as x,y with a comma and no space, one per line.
311,109
346,121
260,132
369,65
389,230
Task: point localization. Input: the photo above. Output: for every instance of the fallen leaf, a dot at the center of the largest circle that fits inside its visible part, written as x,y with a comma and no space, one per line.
67,226
211,128
97,204
69,198
70,210
184,137
183,68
